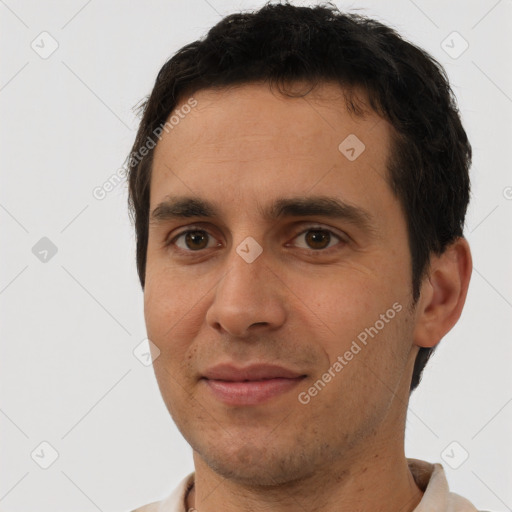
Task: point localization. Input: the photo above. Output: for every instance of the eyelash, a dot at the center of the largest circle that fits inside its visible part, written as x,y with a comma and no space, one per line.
193,229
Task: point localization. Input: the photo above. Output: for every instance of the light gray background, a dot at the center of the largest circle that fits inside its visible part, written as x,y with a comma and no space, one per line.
69,325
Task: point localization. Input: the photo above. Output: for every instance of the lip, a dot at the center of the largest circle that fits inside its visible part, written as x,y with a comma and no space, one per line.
229,372
251,385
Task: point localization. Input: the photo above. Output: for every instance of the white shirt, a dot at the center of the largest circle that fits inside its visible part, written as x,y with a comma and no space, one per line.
430,478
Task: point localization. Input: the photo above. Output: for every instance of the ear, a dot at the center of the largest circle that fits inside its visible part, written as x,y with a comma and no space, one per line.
443,293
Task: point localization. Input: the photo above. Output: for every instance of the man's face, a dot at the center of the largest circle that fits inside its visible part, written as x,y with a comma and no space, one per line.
324,286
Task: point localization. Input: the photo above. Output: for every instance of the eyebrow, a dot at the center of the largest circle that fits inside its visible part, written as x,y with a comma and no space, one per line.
182,207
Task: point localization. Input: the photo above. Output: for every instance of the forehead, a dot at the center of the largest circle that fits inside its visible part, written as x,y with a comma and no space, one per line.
250,137
259,111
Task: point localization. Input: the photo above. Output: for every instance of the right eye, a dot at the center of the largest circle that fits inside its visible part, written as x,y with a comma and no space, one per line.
193,240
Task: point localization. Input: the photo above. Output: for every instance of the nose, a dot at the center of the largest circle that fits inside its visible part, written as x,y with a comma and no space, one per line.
249,297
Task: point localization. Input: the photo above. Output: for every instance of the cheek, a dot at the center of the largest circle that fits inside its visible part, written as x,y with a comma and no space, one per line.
172,311
367,358
172,318
345,301
357,309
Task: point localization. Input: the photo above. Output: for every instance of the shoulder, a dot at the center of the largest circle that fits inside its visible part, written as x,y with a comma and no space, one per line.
174,502
431,479
460,504
150,507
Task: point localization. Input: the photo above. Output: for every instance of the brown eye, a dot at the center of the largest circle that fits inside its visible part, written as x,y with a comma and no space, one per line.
196,240
318,239
193,240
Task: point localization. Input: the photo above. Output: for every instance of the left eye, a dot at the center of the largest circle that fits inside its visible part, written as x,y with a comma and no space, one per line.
318,238
195,240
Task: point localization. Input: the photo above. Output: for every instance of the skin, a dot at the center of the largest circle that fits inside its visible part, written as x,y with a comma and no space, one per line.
296,306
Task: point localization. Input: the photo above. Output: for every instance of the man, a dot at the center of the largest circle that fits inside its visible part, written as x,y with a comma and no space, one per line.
298,184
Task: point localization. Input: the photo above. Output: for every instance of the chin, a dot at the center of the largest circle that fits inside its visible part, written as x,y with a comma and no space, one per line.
255,466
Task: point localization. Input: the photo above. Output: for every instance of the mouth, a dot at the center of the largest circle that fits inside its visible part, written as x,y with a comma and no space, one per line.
250,385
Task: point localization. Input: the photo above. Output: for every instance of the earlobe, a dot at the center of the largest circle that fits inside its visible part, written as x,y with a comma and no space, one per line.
443,293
